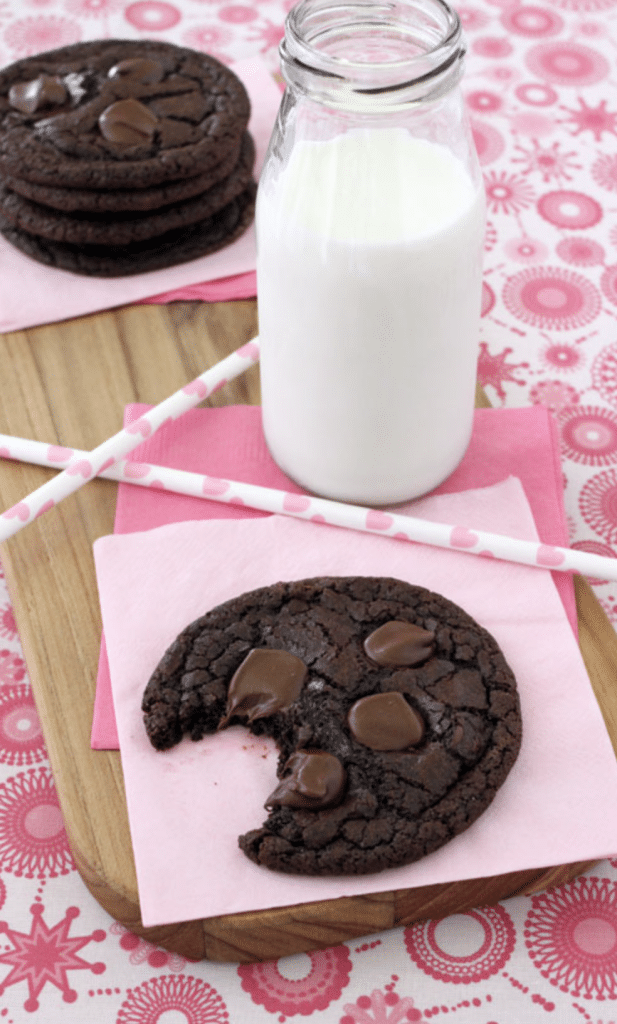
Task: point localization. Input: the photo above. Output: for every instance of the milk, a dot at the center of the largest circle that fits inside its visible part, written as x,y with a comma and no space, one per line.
369,277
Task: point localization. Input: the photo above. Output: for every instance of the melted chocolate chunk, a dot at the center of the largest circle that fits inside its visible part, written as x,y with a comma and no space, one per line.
316,779
400,643
385,721
44,91
128,122
138,69
265,682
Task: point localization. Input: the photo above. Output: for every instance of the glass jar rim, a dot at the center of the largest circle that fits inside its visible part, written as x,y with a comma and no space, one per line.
422,48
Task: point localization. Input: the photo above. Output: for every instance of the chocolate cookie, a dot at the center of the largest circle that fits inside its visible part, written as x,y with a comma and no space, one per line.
165,250
134,200
396,716
125,228
118,114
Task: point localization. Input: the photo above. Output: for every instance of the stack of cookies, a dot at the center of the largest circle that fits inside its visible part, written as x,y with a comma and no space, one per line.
123,156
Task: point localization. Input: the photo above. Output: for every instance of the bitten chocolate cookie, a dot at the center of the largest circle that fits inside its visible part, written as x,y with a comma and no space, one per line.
118,114
396,716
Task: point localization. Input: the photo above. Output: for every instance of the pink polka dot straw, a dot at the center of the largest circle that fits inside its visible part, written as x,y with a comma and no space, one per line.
322,510
84,466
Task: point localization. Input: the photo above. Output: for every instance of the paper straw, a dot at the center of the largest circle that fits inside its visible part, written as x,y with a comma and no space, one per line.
322,510
84,466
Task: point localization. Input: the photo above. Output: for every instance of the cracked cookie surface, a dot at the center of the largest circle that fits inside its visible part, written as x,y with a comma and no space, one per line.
393,801
194,111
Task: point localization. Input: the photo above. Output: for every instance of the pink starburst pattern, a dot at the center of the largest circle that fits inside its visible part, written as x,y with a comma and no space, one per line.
33,842
588,434
495,370
507,193
46,955
326,975
8,626
268,34
21,736
553,395
549,161
580,252
180,995
12,667
551,298
562,356
604,171
465,948
32,35
596,120
571,937
604,373
381,1008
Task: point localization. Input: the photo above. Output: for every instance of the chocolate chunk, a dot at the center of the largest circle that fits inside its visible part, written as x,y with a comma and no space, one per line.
266,681
128,122
385,721
44,91
311,779
138,69
400,643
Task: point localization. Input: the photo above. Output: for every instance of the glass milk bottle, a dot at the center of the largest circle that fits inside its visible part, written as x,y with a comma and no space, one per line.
370,226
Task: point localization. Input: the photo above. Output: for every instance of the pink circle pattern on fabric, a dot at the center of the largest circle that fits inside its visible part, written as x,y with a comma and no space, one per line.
569,209
33,843
180,995
588,434
327,974
567,63
571,937
21,736
484,956
551,298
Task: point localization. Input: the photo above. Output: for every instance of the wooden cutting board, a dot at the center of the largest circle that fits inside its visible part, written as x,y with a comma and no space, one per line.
67,384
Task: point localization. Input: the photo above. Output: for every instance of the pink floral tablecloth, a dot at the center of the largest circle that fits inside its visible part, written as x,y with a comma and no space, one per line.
540,86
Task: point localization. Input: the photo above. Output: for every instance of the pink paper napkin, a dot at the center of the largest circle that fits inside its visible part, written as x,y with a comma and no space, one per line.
187,806
229,442
32,293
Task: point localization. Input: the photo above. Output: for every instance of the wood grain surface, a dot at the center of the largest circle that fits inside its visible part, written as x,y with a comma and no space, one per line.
67,384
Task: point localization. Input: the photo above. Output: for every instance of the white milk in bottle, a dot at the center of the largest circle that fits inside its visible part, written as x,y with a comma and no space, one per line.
369,246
